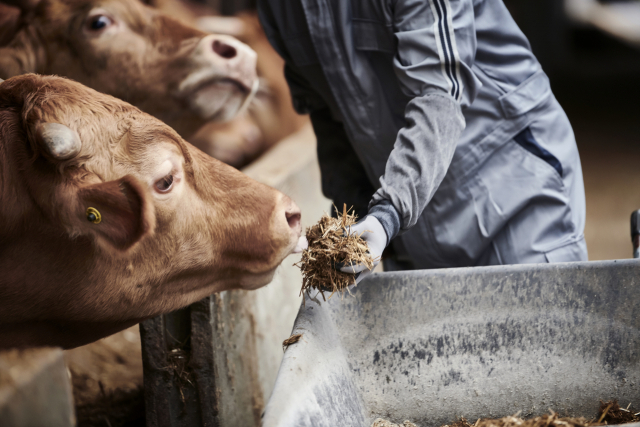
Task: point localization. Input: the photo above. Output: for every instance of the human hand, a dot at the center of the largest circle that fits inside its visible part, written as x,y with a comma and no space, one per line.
372,231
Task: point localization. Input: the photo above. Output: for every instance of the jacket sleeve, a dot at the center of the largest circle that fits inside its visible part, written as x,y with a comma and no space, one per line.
435,52
344,179
305,99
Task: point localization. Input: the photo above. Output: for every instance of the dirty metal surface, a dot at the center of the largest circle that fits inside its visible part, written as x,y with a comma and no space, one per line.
199,367
175,391
433,345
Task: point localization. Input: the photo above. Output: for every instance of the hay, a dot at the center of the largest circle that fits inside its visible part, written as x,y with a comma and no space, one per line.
550,420
379,422
329,246
609,413
291,340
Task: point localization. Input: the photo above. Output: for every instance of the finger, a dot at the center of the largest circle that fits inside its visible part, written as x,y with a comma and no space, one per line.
353,268
354,232
353,229
346,267
339,265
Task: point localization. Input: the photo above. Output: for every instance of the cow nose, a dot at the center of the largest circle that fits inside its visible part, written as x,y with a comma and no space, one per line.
224,50
292,215
221,57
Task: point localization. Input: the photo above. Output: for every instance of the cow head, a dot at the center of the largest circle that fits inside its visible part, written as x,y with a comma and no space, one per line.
108,217
123,48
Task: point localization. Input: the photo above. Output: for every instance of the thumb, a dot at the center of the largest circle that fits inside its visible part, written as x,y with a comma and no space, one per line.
355,268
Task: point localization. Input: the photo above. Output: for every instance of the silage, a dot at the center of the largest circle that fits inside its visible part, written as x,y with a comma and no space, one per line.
332,245
609,413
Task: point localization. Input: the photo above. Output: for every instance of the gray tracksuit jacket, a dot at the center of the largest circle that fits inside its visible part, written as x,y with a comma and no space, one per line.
438,112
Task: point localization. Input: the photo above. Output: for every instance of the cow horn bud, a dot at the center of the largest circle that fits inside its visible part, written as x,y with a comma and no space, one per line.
59,141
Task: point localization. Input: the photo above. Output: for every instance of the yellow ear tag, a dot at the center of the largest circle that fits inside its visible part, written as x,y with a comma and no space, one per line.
93,215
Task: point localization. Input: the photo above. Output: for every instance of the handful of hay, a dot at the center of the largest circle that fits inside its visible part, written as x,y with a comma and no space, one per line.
330,246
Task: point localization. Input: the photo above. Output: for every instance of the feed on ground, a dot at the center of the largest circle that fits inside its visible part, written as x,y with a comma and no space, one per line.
291,340
379,422
609,413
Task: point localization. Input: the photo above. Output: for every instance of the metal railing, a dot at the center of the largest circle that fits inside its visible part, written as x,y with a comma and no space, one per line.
635,233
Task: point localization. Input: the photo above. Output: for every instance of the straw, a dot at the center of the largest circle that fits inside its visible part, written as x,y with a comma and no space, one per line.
331,244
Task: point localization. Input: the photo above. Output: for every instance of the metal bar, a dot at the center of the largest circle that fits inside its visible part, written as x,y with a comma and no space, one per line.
179,384
635,233
200,365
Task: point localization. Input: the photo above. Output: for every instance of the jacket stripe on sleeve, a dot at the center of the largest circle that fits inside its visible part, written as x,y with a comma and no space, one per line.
447,49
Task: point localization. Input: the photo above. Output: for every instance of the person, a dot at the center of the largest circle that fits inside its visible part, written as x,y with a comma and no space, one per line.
437,123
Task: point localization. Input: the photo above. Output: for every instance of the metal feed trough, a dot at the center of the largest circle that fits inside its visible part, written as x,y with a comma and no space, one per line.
430,346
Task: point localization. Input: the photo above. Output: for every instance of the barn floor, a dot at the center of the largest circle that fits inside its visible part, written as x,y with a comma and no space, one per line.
608,135
107,381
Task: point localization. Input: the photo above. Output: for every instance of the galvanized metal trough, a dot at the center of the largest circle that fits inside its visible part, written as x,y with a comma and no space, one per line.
430,346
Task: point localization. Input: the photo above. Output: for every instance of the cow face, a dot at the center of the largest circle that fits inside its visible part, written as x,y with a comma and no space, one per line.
180,75
123,219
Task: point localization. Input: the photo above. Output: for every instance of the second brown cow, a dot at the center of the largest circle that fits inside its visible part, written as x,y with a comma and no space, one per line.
177,73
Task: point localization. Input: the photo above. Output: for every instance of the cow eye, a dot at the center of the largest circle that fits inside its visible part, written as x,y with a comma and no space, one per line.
165,184
99,22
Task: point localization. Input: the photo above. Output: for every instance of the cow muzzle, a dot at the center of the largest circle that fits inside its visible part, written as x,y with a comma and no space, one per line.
267,247
223,78
289,218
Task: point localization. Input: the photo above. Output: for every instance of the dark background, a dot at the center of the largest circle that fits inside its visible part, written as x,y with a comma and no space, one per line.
596,78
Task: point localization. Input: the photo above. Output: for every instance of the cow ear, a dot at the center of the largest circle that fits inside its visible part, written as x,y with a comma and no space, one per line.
120,211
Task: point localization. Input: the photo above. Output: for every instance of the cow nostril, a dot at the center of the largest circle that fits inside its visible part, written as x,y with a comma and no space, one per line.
224,50
293,218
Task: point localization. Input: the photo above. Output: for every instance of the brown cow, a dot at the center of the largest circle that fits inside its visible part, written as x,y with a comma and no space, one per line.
272,111
175,72
168,225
